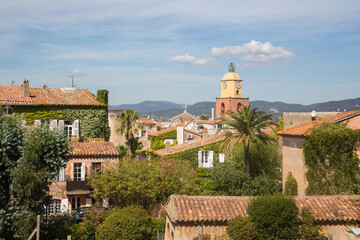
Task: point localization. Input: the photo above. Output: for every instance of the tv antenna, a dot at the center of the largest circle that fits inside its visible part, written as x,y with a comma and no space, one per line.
74,73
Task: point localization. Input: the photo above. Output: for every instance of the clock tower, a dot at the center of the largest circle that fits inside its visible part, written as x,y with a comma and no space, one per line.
231,93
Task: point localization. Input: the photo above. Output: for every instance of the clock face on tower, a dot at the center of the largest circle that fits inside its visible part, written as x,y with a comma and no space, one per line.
238,85
224,85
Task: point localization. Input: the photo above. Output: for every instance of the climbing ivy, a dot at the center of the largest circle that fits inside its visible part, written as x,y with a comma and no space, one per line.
102,96
93,121
331,160
157,142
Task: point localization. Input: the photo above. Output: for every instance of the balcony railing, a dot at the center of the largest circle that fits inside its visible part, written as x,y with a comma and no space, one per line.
77,186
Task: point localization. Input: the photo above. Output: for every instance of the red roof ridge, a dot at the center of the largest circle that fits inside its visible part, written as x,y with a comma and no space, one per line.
330,208
186,146
305,128
93,149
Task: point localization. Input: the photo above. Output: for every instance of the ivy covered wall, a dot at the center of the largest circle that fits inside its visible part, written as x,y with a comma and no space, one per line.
157,142
93,120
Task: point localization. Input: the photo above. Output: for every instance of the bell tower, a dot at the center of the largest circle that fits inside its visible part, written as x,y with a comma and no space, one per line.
231,93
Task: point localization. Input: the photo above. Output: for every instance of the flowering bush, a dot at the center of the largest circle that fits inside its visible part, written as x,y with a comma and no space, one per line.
93,218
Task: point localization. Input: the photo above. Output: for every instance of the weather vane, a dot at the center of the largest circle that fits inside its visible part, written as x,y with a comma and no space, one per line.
231,67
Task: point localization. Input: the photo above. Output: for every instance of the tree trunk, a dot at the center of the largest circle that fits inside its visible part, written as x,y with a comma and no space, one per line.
246,156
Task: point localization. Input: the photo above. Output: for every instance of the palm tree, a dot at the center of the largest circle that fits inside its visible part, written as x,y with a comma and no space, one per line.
128,126
245,127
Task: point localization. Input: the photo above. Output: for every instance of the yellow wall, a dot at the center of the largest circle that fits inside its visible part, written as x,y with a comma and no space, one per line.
231,89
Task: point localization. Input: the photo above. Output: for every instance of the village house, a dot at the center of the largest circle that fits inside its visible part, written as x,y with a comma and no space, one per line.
205,151
74,110
292,139
143,134
193,217
70,189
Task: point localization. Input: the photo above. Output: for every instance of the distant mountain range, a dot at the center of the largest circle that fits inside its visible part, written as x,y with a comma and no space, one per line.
163,110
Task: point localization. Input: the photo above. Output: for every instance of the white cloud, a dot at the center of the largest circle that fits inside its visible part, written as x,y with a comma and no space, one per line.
191,60
255,52
76,72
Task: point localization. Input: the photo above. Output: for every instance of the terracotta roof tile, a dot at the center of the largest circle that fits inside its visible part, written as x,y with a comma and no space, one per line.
186,146
94,149
222,208
305,129
146,121
158,133
14,95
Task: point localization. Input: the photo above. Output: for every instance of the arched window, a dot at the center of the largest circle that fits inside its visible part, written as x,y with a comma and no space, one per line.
238,108
237,92
222,108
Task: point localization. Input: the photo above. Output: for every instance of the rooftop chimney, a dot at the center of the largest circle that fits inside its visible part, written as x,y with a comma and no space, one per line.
26,87
167,147
45,88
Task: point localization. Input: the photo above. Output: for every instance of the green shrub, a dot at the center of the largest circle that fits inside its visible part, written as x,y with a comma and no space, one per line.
291,187
241,228
275,217
132,222
308,229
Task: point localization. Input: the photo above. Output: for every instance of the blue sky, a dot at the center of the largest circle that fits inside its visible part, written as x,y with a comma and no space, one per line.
290,51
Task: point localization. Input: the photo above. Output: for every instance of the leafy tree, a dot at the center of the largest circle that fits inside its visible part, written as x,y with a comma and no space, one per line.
128,126
308,228
275,217
228,178
132,222
331,160
28,162
143,182
291,187
245,127
204,117
122,150
241,228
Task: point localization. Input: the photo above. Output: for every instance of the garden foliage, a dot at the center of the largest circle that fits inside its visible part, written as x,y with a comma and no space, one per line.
132,222
143,182
241,228
28,161
291,187
331,160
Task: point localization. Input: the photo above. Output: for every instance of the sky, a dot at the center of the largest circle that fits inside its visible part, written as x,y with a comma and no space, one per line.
284,50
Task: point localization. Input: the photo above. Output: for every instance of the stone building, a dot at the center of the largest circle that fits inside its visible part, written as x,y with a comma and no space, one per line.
70,189
292,139
193,217
73,110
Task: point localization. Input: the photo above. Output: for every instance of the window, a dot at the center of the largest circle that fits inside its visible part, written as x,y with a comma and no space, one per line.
77,171
222,108
143,133
205,159
75,203
238,108
60,176
54,207
68,129
96,166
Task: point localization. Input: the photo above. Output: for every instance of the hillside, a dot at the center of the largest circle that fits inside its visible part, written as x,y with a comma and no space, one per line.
162,110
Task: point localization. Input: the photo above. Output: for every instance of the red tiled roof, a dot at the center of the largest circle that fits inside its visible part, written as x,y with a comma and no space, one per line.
186,146
14,95
222,208
158,133
94,149
145,121
305,129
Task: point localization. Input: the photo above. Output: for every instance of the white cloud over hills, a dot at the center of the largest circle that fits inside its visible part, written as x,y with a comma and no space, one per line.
255,52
